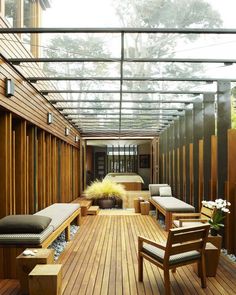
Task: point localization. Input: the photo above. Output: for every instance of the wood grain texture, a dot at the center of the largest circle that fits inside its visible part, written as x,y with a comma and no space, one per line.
27,102
20,166
214,173
102,259
231,192
6,164
200,173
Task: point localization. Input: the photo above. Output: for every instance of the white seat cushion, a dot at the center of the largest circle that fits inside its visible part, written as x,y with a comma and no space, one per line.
173,204
187,224
59,212
158,254
165,191
154,188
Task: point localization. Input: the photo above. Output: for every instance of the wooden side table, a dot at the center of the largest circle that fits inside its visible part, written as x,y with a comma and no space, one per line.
212,256
145,207
25,264
45,279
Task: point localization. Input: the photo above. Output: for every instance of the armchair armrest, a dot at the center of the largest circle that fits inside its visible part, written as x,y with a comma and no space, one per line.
185,215
142,240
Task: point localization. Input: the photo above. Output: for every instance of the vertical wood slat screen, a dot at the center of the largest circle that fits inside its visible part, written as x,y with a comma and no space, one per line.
200,174
231,193
214,173
29,163
20,166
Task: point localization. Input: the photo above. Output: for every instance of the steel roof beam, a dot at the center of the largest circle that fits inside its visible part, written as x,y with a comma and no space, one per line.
135,79
119,30
53,101
197,92
17,61
126,114
123,108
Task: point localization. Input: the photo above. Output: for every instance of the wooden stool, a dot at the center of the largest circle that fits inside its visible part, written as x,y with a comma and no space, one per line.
137,205
93,210
145,207
45,279
25,264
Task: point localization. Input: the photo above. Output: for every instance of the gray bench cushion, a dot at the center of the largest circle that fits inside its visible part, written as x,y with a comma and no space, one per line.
173,204
32,239
59,212
158,254
24,224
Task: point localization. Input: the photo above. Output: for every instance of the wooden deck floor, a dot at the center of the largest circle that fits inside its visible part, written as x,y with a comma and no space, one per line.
102,259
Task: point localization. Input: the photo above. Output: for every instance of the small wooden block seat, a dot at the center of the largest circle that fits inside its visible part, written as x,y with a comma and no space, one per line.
93,210
137,204
25,264
145,207
45,279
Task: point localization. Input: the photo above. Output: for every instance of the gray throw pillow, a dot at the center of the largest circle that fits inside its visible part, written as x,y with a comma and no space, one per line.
20,224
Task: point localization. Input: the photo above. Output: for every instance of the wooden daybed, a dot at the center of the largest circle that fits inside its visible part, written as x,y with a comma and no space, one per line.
12,245
131,181
169,205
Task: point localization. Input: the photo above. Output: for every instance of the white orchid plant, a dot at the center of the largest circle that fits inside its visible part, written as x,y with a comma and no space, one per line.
221,207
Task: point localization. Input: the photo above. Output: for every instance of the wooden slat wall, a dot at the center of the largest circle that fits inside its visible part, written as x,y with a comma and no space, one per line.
168,163
191,174
213,181
183,197
27,102
200,174
20,166
30,168
231,193
30,171
41,170
5,164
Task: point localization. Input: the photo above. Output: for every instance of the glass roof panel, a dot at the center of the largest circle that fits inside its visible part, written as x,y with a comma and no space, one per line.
126,80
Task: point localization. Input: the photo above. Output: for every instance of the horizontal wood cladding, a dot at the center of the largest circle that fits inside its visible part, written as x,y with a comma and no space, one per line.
27,102
30,105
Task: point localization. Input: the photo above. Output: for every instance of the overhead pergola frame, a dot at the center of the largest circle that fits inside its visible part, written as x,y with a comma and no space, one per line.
121,111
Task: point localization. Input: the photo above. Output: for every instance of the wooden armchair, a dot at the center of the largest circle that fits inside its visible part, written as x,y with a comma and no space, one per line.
192,219
183,246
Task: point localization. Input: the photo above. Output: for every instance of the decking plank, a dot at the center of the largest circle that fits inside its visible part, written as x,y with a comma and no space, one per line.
102,259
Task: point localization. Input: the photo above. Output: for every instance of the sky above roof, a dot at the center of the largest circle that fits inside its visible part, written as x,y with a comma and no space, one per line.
93,13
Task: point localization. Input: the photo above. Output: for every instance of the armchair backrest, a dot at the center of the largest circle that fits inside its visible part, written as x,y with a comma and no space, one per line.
207,213
185,239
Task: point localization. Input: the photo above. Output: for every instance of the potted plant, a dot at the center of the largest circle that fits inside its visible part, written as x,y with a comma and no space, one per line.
221,207
106,194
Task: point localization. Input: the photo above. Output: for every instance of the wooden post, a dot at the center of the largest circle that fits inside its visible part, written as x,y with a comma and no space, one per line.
20,166
6,164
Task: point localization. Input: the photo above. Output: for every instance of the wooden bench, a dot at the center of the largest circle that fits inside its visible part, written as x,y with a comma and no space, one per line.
9,251
169,205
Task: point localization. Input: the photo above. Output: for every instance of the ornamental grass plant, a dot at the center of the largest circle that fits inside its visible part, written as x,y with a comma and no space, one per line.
105,189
